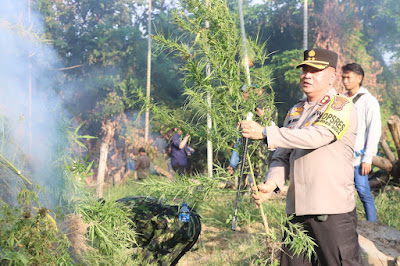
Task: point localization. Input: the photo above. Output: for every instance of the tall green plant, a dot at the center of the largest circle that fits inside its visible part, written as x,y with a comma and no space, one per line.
219,46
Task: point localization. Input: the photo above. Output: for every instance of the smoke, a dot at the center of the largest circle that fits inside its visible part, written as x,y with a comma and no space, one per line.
29,107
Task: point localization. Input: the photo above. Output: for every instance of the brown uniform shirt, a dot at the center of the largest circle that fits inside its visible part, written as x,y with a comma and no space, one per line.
319,166
142,165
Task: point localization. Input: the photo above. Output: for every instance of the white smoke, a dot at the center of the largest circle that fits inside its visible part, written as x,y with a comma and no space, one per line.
29,106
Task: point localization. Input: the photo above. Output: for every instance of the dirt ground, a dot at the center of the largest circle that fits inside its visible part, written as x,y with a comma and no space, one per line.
209,241
380,244
214,246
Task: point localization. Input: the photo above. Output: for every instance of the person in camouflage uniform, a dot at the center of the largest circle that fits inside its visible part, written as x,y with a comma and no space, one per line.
160,234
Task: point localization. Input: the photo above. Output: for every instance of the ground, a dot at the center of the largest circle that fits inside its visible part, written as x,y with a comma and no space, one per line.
380,242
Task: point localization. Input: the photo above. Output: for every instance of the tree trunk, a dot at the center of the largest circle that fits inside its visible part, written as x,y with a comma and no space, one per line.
379,179
382,163
209,119
387,150
108,133
394,127
146,129
102,168
390,165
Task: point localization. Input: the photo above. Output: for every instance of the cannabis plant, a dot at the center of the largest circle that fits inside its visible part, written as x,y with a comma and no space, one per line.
212,66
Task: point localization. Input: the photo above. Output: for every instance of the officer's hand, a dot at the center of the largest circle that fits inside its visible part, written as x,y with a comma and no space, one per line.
366,168
264,192
259,112
252,129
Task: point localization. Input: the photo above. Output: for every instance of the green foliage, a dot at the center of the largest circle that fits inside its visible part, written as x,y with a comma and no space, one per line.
300,241
29,234
216,206
387,206
13,170
182,189
102,46
286,78
110,233
212,67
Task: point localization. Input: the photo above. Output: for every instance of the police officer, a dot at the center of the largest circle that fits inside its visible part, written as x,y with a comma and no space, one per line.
315,148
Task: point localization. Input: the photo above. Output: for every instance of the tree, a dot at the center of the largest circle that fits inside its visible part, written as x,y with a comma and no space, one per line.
219,46
146,131
102,47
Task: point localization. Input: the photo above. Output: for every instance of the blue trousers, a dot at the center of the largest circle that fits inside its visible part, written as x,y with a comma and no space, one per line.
234,161
364,192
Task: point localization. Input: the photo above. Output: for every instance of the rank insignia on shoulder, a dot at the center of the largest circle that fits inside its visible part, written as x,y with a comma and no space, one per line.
296,111
325,99
336,117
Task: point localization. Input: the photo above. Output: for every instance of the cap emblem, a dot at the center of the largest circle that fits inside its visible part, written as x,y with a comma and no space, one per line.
311,55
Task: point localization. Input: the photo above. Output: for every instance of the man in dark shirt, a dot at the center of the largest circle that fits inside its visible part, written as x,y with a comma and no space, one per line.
179,153
142,164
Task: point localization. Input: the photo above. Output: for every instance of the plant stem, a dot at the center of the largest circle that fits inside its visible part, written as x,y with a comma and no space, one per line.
18,172
264,217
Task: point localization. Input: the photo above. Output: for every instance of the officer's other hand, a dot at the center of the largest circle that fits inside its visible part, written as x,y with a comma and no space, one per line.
252,130
259,112
264,192
366,168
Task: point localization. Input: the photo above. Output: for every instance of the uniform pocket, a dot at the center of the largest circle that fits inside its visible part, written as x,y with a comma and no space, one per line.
350,254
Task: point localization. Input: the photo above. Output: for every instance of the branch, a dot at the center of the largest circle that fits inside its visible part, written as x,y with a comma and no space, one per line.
394,127
387,150
18,172
382,163
71,67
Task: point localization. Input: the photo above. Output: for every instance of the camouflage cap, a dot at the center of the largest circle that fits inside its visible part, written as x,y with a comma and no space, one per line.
319,58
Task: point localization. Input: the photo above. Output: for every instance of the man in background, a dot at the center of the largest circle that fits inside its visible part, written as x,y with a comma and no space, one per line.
142,164
115,167
130,165
368,134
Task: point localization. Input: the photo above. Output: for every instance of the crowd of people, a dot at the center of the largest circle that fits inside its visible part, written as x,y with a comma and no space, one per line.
138,165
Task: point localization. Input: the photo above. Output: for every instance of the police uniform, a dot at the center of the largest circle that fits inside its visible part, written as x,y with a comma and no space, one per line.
315,149
160,234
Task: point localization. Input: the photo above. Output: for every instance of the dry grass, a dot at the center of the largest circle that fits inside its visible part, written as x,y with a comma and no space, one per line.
76,230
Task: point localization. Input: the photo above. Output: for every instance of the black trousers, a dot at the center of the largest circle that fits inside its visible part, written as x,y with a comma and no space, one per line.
336,239
181,170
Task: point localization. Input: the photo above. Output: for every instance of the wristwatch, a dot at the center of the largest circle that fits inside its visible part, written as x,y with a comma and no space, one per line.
265,135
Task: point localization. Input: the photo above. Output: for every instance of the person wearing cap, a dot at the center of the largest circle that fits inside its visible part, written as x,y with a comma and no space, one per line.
315,149
142,164
368,135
